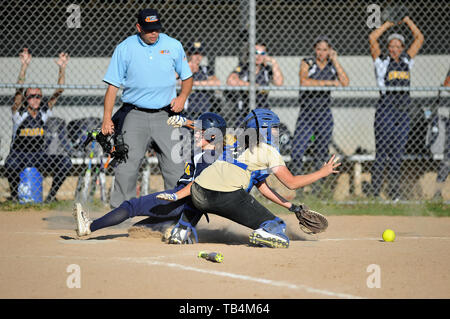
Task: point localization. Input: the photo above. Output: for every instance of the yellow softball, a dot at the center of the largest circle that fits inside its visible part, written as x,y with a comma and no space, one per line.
388,235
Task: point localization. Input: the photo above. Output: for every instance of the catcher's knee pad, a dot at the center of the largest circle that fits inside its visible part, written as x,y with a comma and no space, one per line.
275,226
271,233
183,233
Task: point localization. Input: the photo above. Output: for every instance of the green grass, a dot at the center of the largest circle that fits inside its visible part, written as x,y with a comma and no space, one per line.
373,208
64,205
425,208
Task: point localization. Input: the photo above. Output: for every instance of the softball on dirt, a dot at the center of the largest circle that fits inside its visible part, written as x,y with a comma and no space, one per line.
388,235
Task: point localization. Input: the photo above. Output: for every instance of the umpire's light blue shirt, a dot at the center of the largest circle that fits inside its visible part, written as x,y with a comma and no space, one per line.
147,72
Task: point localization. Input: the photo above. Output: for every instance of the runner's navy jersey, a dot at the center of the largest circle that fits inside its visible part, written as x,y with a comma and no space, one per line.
197,164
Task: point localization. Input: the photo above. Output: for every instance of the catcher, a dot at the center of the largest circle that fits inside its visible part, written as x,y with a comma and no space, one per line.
222,188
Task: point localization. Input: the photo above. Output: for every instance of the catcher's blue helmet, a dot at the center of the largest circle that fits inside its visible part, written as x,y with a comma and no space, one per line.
262,119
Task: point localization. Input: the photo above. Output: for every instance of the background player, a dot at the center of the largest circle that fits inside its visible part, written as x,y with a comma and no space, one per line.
444,167
200,101
315,118
267,71
392,122
29,116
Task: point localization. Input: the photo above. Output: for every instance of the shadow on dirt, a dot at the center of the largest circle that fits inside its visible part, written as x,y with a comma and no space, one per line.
222,236
104,237
239,236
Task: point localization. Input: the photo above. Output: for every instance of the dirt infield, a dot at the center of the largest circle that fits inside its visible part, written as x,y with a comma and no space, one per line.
41,258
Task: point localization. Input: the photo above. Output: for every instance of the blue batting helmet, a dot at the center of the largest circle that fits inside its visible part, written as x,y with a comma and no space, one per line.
211,120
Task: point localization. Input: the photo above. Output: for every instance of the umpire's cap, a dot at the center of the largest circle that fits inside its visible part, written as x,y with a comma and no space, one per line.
149,20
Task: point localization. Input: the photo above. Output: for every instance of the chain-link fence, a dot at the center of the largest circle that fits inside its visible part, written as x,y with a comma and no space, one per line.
315,63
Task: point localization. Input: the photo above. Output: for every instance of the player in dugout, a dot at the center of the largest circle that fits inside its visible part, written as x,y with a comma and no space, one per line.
392,121
30,114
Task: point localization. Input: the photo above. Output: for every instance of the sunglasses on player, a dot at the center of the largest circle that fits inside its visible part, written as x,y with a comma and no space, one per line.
260,52
34,96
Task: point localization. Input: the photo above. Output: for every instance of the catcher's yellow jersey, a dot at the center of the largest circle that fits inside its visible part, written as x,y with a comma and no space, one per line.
223,176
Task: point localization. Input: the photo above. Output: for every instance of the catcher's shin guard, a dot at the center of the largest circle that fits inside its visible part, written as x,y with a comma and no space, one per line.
183,233
271,233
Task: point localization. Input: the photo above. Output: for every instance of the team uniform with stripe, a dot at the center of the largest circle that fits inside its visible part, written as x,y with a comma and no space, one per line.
392,122
315,118
263,78
28,149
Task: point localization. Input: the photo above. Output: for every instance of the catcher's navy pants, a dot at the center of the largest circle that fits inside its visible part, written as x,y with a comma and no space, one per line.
147,205
392,127
317,121
58,165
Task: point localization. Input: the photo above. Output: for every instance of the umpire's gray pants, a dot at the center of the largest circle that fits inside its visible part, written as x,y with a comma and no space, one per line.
141,130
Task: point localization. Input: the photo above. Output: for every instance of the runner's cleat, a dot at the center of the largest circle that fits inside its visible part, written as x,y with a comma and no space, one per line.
83,222
183,233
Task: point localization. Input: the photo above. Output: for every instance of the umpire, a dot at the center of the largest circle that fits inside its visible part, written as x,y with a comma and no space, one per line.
146,65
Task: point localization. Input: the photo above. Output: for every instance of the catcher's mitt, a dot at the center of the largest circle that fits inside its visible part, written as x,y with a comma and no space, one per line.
310,222
119,153
394,14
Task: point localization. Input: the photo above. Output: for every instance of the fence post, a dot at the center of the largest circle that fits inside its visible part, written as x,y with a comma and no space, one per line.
251,51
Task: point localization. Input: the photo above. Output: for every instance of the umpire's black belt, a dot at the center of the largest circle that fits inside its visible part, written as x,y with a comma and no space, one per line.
134,107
